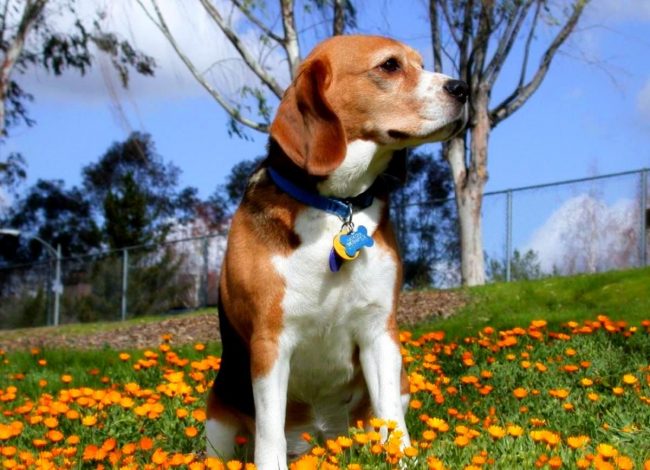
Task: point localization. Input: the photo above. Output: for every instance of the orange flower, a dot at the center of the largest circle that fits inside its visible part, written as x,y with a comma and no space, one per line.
497,432
629,379
520,393
191,431
576,442
89,420
54,435
606,450
462,440
159,457
146,443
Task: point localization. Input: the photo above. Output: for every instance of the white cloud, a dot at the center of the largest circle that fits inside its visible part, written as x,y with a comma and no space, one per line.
197,35
587,235
643,102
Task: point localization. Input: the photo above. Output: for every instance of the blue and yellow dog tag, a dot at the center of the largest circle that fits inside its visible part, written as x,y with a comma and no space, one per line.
347,245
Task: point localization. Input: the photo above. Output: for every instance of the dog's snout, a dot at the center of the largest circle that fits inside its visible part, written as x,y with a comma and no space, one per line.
458,89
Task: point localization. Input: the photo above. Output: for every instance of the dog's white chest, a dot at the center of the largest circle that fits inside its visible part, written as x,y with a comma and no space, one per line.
325,312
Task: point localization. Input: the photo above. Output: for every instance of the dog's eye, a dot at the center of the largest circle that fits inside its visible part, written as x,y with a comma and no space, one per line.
391,65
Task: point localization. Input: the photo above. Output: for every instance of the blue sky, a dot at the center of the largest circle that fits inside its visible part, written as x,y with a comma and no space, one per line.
590,116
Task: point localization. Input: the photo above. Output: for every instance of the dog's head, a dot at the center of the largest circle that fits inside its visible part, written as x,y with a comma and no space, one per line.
357,99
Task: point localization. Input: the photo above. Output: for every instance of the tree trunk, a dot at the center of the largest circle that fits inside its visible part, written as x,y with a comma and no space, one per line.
468,191
469,184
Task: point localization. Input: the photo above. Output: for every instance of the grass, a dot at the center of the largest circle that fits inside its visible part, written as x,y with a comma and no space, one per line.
621,294
526,376
96,327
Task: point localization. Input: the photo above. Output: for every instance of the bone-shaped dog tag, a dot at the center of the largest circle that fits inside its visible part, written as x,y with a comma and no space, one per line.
348,245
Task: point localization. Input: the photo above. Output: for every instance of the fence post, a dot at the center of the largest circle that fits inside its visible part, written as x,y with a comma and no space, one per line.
205,274
643,238
508,235
57,287
125,281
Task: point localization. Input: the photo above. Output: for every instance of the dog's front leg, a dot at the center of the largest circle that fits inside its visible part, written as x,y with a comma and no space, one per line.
381,362
270,383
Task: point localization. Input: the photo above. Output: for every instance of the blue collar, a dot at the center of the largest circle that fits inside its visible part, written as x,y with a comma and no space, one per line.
339,207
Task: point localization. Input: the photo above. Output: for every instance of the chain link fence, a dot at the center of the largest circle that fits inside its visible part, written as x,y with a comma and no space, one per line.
578,226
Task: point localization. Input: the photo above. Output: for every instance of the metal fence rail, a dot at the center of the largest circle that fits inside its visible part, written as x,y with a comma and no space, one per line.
562,228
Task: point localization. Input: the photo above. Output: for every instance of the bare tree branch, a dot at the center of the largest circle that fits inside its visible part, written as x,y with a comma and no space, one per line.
448,20
480,44
529,41
231,110
257,22
521,94
292,46
235,40
515,21
338,26
466,40
435,36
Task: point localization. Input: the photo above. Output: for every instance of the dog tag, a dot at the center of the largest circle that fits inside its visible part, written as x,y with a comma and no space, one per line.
335,261
348,244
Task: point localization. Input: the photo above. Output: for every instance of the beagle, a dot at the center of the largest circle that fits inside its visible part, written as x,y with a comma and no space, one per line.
310,279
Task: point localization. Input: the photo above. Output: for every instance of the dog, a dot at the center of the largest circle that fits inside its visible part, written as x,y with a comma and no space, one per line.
311,275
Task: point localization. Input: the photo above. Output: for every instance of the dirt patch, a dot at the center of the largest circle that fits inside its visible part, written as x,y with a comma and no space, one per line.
413,308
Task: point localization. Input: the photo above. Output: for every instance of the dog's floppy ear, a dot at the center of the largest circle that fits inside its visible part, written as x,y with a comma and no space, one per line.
306,127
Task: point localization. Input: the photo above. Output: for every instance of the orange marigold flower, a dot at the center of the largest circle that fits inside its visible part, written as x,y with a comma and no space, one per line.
128,449
159,457
618,391
199,346
54,435
51,422
89,420
624,462
554,462
415,404
410,452
629,379
520,393
593,396
191,431
560,393
497,432
462,440
606,450
586,382
146,443
124,356
429,435
199,414
576,442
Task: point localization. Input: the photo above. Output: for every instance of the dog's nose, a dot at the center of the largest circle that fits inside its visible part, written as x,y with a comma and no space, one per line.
458,89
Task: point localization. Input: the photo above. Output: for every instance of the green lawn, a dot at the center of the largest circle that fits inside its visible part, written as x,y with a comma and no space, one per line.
526,376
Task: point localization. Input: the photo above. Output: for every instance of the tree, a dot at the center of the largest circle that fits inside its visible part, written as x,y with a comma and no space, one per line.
136,190
272,46
58,215
31,36
472,38
425,221
523,267
480,38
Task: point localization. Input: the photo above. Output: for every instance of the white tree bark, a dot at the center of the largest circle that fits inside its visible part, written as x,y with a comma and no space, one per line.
30,14
468,191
